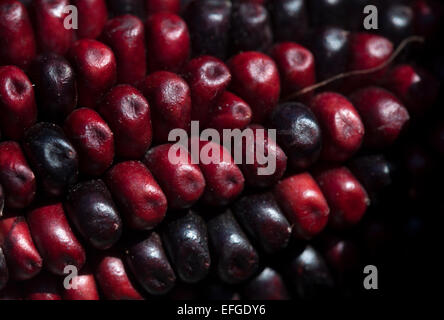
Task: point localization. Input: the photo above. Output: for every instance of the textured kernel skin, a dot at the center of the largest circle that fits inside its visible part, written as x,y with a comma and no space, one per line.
303,204
52,157
170,101
183,183
24,261
262,219
229,112
91,209
336,152
149,264
168,42
17,102
112,277
55,86
208,78
342,127
346,197
137,194
367,51
54,239
18,42
186,241
16,177
128,115
224,180
51,35
296,66
236,259
93,140
96,70
298,133
255,78
384,116
126,37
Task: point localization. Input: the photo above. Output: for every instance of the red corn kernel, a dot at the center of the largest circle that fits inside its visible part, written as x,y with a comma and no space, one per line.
16,177
346,197
170,100
383,115
18,43
367,51
342,128
137,194
49,22
92,17
95,67
304,205
229,112
82,287
112,277
126,37
93,140
168,42
127,113
54,239
255,78
208,78
296,66
23,259
18,110
182,181
224,180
